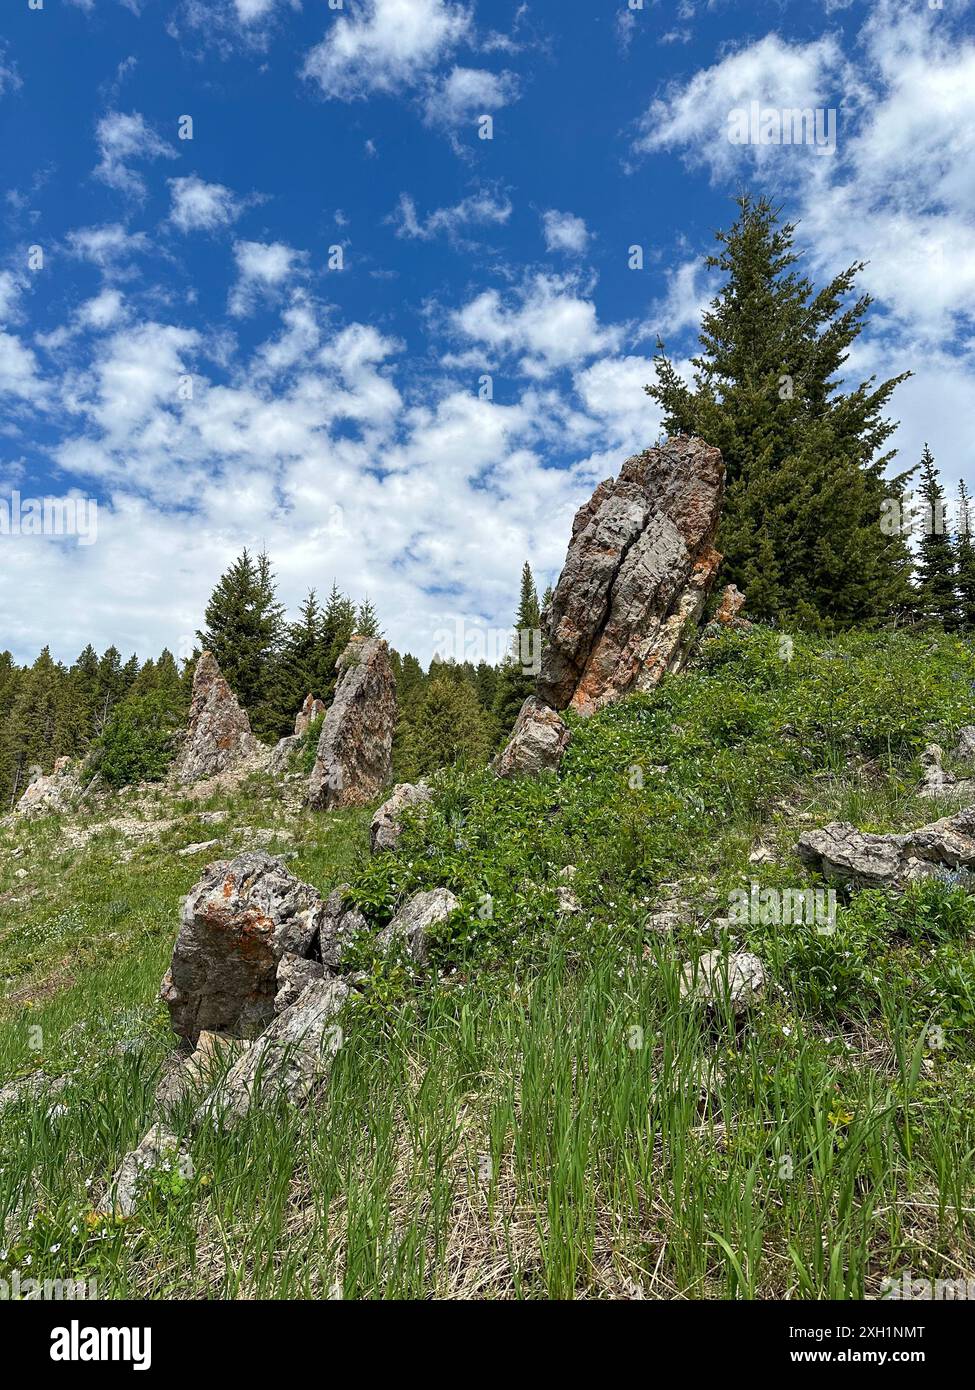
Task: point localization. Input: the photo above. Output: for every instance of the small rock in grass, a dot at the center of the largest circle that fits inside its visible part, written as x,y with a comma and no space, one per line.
737,979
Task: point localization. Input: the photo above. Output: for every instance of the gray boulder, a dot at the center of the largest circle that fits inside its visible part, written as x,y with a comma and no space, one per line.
290,1058
845,855
736,980
159,1150
414,919
387,825
965,745
537,743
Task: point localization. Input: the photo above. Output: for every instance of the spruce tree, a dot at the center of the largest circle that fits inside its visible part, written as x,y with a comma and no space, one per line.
449,728
805,461
937,594
367,622
244,623
516,679
965,561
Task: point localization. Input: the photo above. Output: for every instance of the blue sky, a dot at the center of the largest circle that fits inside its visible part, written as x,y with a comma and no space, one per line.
187,355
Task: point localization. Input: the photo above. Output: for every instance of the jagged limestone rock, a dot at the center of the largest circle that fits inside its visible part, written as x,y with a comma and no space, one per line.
355,750
238,921
537,741
289,1059
846,855
51,795
218,737
638,572
414,920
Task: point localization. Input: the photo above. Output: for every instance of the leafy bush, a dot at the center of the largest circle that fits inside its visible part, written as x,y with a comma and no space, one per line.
137,745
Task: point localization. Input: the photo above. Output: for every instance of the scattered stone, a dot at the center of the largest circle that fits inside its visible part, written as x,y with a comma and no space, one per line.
159,1150
288,1060
761,854
261,837
202,848
237,923
294,973
568,902
31,1087
663,922
537,742
218,738
354,757
53,795
715,979
387,826
846,855
311,710
639,569
415,918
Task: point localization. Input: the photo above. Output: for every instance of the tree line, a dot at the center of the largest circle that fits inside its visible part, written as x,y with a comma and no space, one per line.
802,531
124,717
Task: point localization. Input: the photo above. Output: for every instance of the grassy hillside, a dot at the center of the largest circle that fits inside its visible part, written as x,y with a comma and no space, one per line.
543,1116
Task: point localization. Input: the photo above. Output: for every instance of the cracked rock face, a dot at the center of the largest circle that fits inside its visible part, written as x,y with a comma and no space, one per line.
415,918
355,750
846,855
387,824
639,569
218,737
237,923
537,741
291,1057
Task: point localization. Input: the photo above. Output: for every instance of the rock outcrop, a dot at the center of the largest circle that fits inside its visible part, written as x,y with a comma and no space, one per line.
639,569
160,1151
51,795
537,741
387,824
354,757
237,923
640,566
414,920
218,737
845,855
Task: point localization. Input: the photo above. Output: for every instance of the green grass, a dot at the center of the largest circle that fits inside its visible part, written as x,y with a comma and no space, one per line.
529,1120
